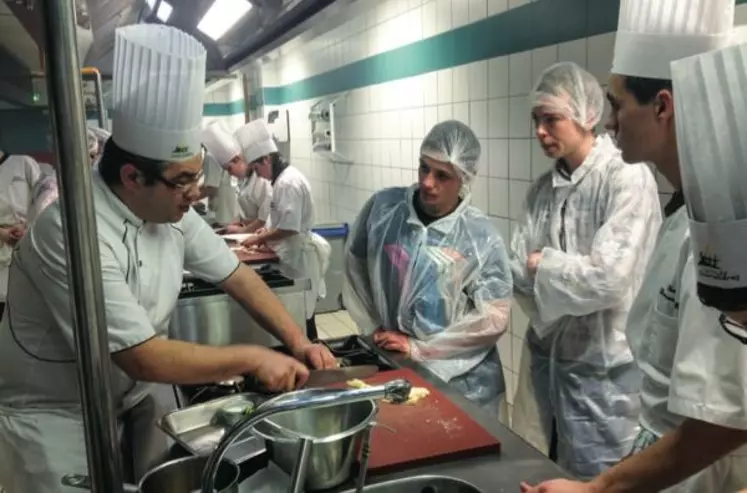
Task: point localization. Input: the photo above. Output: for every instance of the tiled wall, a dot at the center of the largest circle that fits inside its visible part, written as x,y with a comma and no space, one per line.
380,125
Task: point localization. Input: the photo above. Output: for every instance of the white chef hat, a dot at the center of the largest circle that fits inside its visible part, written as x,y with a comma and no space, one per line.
711,115
255,139
159,83
220,143
653,33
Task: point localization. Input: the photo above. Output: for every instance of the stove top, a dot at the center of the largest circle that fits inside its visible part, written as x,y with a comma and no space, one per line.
349,351
193,287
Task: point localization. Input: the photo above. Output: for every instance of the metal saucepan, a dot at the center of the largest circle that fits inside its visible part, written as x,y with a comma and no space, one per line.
176,476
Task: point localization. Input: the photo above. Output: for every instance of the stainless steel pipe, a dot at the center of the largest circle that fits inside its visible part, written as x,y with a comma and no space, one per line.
81,241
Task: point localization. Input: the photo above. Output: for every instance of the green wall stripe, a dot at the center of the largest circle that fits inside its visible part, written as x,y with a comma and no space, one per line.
530,26
209,109
537,24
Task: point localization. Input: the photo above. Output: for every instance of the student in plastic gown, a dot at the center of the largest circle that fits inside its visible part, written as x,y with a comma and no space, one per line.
693,410
18,175
578,257
428,274
143,189
288,232
45,191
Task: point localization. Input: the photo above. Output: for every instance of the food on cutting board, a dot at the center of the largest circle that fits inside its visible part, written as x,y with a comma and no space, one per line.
417,394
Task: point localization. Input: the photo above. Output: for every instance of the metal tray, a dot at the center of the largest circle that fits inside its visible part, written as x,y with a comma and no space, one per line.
198,429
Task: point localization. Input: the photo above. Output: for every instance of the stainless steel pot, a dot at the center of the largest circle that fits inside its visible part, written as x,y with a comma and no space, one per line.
176,476
336,435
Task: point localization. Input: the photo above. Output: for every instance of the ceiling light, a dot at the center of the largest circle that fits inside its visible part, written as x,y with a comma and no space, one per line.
164,10
222,16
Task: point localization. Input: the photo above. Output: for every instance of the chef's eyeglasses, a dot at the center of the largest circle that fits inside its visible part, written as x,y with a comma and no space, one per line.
184,183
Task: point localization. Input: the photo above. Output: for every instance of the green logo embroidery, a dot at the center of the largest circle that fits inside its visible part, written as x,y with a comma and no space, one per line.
180,150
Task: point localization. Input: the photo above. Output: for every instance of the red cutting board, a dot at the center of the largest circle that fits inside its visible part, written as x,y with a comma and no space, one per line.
432,430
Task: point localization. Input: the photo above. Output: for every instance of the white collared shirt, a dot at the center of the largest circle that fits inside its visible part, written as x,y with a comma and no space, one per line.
141,267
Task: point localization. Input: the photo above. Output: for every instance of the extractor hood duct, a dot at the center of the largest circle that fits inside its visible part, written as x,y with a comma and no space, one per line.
274,29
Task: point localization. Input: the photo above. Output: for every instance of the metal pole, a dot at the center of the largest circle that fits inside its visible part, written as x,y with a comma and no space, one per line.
81,241
103,120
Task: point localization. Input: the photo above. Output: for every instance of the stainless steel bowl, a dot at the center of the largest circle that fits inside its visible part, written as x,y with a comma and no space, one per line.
185,476
336,433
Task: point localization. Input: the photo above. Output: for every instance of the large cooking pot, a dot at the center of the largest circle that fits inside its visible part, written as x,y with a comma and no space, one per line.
176,476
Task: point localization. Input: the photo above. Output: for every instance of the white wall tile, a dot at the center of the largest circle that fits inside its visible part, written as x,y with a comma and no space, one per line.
443,16
430,118
498,197
600,51
478,118
478,80
497,6
498,118
498,158
542,58
520,73
478,10
445,86
519,117
498,77
429,83
573,51
480,194
461,83
512,4
459,13
430,20
445,112
461,112
519,159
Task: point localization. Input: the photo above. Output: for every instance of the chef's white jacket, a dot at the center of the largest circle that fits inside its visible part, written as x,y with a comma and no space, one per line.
141,266
693,367
18,175
255,198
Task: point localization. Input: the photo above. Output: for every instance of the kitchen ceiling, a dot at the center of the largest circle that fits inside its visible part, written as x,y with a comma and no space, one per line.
265,27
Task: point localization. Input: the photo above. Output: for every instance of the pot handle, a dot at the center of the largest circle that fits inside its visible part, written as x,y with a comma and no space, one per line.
83,482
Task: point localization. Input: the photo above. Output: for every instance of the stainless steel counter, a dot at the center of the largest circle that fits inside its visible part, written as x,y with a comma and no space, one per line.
215,318
498,473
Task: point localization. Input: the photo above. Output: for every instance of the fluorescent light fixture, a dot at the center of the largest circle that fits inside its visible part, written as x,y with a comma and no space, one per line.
164,10
222,16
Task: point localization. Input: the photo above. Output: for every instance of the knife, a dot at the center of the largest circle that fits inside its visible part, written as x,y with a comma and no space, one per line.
320,378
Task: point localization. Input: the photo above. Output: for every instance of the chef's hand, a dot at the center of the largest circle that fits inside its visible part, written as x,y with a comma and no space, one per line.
533,261
12,234
318,356
278,372
233,229
558,486
252,241
392,340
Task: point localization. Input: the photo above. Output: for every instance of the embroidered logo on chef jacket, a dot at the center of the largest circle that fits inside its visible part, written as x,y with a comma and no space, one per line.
734,328
709,266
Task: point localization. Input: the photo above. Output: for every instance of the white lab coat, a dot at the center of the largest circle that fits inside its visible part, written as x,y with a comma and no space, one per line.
292,209
692,367
18,174
41,436
255,198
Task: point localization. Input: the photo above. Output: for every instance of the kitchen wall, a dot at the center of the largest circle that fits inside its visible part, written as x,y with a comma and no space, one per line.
405,65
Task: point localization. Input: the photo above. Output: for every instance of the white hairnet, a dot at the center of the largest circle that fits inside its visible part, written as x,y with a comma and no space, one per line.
571,91
453,142
96,137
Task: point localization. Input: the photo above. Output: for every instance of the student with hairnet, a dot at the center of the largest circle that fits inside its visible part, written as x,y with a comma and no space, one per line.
45,190
428,274
578,257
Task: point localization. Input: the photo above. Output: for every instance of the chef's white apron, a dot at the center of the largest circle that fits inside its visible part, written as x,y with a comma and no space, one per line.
307,253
